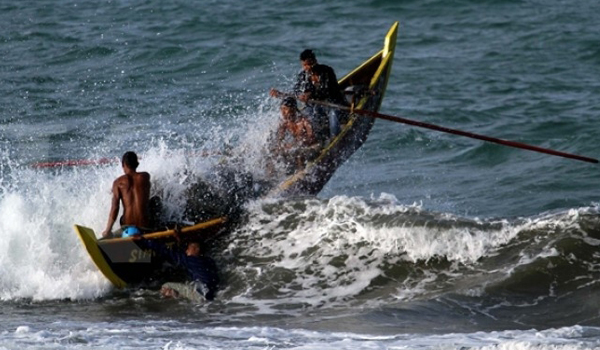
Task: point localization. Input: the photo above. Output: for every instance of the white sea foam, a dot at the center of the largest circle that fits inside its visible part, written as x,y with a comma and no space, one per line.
329,252
174,335
334,248
40,255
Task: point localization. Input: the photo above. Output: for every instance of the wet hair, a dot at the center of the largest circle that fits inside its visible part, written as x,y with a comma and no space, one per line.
289,102
307,54
130,159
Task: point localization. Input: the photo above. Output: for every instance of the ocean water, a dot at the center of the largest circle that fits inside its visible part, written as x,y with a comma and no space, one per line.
422,240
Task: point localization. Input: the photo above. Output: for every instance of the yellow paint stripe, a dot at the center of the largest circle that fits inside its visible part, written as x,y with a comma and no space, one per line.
88,238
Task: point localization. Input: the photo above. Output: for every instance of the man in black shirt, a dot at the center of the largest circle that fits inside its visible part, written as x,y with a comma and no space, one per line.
317,81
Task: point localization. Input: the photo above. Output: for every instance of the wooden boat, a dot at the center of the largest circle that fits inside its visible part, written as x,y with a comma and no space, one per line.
372,77
124,263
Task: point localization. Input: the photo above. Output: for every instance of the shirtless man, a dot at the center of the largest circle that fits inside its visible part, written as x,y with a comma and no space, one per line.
294,123
295,140
133,189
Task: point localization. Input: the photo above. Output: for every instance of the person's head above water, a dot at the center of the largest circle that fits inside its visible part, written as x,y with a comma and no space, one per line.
307,59
289,102
130,159
307,54
193,249
289,108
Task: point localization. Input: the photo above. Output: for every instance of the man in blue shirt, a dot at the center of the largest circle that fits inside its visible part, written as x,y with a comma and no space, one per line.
201,270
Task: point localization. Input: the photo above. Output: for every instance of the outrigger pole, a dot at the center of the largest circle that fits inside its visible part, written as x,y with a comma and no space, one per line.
457,132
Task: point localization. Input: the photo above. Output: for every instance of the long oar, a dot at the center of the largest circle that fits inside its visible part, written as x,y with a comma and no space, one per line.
457,132
167,233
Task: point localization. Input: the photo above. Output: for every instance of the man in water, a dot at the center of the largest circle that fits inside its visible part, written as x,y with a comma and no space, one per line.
133,189
318,82
203,278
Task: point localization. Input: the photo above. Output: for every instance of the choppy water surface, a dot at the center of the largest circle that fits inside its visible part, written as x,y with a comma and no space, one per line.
421,240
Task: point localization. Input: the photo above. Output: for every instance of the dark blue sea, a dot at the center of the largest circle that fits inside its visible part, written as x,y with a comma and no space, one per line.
421,240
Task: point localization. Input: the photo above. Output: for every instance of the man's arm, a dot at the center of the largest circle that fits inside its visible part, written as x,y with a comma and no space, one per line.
331,78
114,210
333,88
304,90
300,84
172,254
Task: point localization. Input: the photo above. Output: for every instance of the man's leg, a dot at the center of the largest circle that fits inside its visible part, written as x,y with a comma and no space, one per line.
334,122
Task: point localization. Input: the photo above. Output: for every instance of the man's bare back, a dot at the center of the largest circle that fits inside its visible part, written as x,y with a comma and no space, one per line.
133,190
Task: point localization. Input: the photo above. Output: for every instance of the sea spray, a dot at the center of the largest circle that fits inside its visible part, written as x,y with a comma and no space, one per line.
39,260
307,252
41,257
